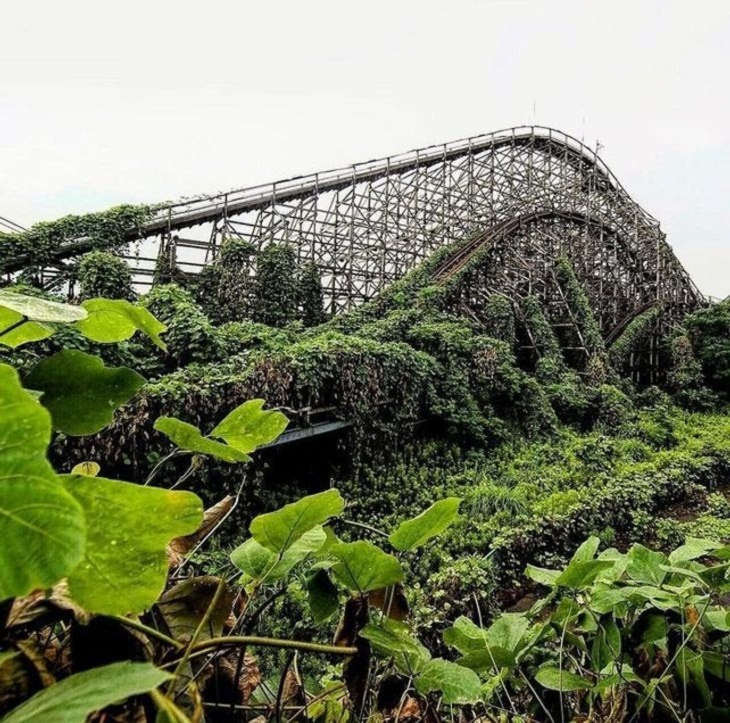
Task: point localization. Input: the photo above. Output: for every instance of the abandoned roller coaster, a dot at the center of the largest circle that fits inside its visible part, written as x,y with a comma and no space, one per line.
517,199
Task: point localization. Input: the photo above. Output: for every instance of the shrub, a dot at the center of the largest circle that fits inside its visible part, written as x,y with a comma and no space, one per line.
190,335
275,290
709,332
310,295
104,274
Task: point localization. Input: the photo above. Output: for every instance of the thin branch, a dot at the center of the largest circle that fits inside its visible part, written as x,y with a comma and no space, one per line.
255,640
142,628
163,462
363,526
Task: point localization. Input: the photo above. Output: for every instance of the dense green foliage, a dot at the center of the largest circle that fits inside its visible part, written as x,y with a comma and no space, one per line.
106,231
276,293
224,289
101,273
528,446
311,296
709,332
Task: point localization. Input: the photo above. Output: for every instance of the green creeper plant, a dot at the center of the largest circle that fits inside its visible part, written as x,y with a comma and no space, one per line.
275,292
106,231
311,295
104,274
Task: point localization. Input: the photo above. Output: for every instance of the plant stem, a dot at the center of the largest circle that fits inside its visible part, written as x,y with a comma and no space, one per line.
201,626
162,462
142,628
363,526
255,640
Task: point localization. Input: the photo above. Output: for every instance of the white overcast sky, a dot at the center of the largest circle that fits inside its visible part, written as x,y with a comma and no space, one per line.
104,103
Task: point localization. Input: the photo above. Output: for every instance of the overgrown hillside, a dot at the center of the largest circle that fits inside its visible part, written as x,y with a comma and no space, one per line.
519,451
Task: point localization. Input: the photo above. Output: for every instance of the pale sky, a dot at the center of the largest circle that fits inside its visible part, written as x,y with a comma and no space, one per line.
104,103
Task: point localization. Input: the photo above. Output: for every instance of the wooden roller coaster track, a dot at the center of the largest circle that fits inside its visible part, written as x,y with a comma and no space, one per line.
521,197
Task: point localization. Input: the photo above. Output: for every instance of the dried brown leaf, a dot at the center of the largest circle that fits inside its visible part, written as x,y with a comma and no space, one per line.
292,692
355,668
391,600
38,609
183,606
179,547
411,708
37,660
223,682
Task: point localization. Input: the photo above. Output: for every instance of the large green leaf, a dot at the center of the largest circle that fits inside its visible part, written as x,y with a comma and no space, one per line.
80,392
479,652
189,438
579,574
508,631
75,698
606,645
37,309
465,636
458,685
651,627
542,575
362,566
692,549
394,640
587,550
605,599
433,521
129,526
495,647
111,320
260,563
644,565
42,528
659,597
278,530
14,331
562,680
488,658
322,595
718,619
690,667
249,426
715,663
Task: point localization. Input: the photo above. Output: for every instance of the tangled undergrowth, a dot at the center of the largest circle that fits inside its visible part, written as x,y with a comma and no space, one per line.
404,401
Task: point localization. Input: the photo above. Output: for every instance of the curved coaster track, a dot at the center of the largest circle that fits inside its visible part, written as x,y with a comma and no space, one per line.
521,197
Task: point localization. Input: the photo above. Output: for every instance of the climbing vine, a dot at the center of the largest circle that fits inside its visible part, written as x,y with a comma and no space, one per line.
580,306
229,290
275,290
311,295
635,332
499,319
102,273
105,231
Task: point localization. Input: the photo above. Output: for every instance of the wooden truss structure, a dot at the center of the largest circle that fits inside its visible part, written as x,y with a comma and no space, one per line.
529,194
534,193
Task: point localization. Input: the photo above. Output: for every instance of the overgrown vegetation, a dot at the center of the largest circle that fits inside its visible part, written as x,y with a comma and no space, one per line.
106,231
573,567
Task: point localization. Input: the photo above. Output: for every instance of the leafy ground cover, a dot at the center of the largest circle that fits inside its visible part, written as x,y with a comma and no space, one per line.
496,535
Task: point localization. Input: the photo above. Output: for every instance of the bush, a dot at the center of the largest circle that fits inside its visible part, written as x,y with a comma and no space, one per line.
709,332
276,290
190,335
104,274
311,295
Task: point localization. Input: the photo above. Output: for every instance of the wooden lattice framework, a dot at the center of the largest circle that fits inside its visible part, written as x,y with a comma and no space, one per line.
530,193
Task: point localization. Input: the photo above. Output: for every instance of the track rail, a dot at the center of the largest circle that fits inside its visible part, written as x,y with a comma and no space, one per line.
186,213
462,256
